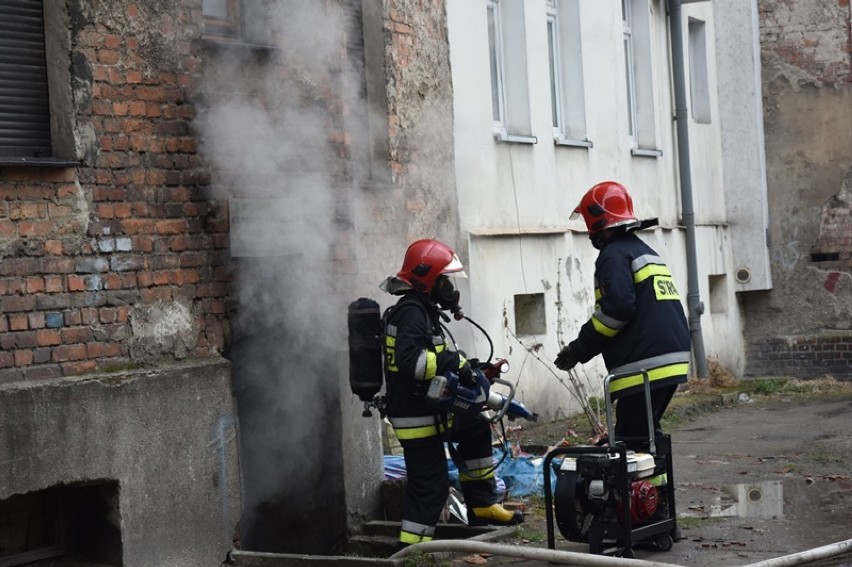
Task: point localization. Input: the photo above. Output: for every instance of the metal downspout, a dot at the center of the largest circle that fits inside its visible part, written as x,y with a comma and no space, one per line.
693,300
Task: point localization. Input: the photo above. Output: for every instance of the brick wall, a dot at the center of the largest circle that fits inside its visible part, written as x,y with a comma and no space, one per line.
92,255
802,356
813,38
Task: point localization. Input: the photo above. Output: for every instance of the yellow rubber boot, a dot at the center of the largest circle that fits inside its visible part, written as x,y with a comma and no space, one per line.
494,515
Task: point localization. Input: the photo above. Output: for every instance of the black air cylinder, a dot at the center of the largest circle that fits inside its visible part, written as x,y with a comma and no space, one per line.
365,348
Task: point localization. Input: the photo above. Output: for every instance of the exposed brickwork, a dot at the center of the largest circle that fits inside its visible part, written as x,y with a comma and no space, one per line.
420,116
811,37
142,223
803,357
833,248
806,62
83,248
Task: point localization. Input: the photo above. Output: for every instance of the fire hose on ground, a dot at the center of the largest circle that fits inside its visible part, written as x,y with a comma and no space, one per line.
585,559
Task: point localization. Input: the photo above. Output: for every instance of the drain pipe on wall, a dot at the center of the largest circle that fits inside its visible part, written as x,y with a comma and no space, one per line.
693,300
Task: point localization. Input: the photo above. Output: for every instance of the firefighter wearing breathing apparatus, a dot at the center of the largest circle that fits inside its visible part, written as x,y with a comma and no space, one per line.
638,322
417,356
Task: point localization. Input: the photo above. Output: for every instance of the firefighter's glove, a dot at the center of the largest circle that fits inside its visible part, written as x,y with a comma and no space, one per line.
565,360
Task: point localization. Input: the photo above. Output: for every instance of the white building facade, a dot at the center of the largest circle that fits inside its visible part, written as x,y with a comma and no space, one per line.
553,96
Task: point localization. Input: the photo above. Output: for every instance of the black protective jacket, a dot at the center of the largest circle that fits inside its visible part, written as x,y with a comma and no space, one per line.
638,323
415,351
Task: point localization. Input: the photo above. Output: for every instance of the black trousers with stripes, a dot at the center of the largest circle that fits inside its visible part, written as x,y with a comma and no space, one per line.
427,472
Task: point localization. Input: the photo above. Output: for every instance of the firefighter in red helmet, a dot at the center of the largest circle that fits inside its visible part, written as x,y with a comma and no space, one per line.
415,352
638,321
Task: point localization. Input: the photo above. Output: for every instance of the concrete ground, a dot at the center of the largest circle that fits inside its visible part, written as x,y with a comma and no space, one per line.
756,481
762,479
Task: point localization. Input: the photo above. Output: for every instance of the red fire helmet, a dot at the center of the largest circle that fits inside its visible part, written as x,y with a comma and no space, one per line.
427,259
606,205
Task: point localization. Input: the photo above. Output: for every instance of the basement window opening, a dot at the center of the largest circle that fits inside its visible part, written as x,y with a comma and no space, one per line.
825,256
718,285
76,524
530,316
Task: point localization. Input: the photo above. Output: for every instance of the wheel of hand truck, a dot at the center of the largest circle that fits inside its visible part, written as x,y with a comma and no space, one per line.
663,542
571,518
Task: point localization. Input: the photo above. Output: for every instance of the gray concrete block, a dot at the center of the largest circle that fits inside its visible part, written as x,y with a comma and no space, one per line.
166,435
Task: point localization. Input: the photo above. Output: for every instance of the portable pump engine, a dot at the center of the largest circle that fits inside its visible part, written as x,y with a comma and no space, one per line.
366,372
610,497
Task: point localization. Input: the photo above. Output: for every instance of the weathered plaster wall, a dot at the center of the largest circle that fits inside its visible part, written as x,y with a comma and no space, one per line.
167,436
420,200
807,78
118,261
515,199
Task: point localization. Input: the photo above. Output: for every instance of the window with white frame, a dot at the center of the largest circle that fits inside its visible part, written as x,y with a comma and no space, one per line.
699,84
510,102
568,108
638,65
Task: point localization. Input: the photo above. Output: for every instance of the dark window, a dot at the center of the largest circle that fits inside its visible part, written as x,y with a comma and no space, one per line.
222,18
24,102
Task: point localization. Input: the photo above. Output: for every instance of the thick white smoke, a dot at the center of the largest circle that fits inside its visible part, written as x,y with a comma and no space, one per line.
268,127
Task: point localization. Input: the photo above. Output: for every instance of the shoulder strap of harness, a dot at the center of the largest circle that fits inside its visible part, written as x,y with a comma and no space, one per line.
407,301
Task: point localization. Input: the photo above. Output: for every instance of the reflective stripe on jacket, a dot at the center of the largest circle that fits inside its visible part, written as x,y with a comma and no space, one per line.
415,351
664,368
638,321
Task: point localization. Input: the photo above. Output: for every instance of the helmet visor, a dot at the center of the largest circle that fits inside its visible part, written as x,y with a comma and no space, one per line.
455,268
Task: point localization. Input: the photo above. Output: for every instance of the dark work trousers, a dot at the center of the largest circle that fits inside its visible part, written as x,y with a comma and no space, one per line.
427,474
631,417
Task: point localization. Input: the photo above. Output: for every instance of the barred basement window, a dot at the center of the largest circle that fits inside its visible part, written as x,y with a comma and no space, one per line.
35,84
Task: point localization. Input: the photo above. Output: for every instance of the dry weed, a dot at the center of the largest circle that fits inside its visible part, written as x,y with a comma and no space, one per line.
718,377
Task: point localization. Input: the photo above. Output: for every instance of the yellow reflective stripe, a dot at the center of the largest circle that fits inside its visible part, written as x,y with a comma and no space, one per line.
406,537
408,433
415,532
658,480
603,329
476,474
659,373
610,322
431,366
598,294
390,353
416,432
640,276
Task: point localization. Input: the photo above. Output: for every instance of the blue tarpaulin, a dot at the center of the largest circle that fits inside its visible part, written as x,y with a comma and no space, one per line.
521,476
